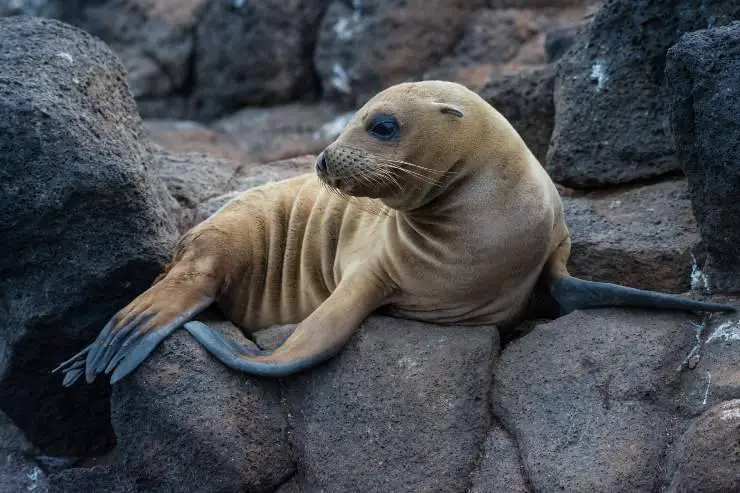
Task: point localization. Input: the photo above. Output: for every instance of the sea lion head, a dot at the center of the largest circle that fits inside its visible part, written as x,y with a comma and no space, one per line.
405,145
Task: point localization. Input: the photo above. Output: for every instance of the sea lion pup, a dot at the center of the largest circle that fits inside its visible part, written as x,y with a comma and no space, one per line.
450,219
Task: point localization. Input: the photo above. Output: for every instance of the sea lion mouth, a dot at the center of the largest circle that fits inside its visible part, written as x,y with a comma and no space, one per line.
354,172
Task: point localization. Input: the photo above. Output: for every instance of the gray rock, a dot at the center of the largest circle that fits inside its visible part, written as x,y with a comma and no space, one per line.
20,474
525,99
253,53
83,223
401,408
252,176
703,74
214,427
611,115
637,236
590,398
707,457
559,39
500,468
364,47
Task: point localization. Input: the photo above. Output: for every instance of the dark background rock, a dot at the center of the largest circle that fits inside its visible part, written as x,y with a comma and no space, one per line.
611,118
525,99
703,79
254,53
590,398
366,46
154,39
637,236
401,408
83,225
190,136
559,39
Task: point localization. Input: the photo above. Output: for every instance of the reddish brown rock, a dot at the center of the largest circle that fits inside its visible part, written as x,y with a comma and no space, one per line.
639,236
284,131
190,136
707,457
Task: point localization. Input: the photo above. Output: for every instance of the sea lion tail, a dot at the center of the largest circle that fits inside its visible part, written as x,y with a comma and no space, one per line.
573,293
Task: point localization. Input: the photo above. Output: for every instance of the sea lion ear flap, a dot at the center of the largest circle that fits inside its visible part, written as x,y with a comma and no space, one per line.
450,109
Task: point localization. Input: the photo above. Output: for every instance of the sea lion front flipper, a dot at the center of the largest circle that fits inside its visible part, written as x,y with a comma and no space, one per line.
185,290
321,335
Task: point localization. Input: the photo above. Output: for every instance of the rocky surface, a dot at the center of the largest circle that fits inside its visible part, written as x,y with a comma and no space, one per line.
702,73
83,222
365,46
600,391
627,400
611,116
525,99
637,236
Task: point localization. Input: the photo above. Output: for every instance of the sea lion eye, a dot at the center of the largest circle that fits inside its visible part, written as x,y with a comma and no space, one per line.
384,127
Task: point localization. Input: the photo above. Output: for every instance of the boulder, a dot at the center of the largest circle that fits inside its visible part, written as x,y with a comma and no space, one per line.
637,236
253,53
155,41
707,457
703,79
401,408
500,42
185,136
83,222
591,398
525,99
247,177
19,473
363,48
193,178
500,468
283,131
611,115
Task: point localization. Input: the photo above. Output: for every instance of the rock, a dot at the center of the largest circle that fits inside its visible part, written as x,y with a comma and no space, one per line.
284,131
39,8
637,236
500,468
500,42
594,390
560,38
401,408
185,419
611,118
525,99
94,479
19,474
155,41
702,72
193,178
362,49
184,136
83,223
707,457
12,438
248,177
254,53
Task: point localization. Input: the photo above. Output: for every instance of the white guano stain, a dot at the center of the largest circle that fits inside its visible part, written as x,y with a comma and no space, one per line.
599,75
699,280
66,56
706,391
726,332
730,410
340,79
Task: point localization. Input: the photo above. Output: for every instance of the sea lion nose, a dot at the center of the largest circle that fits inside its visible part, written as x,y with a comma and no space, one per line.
321,163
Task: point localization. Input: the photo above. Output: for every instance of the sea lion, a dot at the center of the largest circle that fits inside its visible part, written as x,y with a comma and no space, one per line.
429,206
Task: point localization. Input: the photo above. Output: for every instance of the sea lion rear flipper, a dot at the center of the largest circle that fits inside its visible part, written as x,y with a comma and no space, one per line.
321,335
573,293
